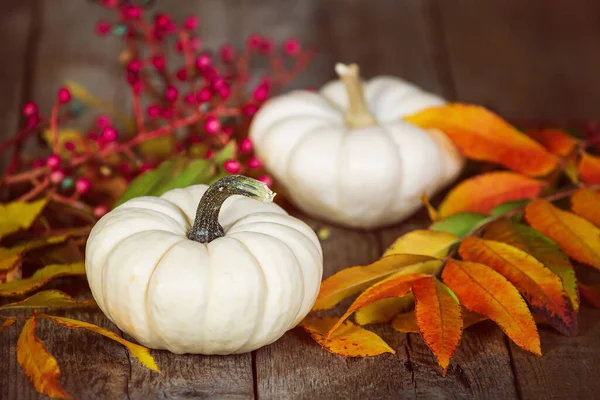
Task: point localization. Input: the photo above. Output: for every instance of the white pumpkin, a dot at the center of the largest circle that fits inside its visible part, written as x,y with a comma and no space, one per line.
348,157
229,289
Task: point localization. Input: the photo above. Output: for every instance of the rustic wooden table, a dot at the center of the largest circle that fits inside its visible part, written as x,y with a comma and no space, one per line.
535,60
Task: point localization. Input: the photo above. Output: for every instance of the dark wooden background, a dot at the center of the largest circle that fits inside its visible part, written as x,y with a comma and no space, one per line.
529,60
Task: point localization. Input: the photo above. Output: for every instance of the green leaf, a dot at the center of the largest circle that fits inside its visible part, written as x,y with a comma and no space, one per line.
198,171
460,224
225,153
504,208
149,183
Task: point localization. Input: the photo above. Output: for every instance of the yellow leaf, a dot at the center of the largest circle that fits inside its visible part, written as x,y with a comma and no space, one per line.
423,242
140,352
576,236
40,278
10,256
158,148
48,299
586,203
72,135
349,340
353,280
384,310
19,215
431,211
40,367
7,322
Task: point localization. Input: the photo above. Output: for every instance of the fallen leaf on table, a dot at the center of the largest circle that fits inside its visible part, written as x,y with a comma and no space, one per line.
349,340
40,278
7,322
48,299
11,256
140,352
586,204
542,289
384,310
482,135
40,367
482,193
577,237
589,169
483,290
439,319
423,242
19,215
556,141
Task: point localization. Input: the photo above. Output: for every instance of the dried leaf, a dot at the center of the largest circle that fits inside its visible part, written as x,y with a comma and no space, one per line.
482,135
460,224
384,310
423,242
353,280
140,352
542,289
40,278
7,322
439,318
586,203
576,236
484,291
395,286
407,322
556,141
349,340
591,293
48,299
483,192
539,246
9,257
19,215
40,367
589,169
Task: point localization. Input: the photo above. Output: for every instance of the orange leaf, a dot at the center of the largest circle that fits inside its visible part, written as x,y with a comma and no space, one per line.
140,352
576,236
483,192
7,322
591,293
589,169
586,203
40,367
543,249
349,340
482,290
407,322
438,317
395,286
482,135
556,141
354,280
542,289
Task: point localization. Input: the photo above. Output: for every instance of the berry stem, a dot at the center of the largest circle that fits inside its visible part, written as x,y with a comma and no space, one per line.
54,127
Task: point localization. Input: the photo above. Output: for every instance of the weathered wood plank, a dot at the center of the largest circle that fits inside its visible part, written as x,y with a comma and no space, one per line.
533,59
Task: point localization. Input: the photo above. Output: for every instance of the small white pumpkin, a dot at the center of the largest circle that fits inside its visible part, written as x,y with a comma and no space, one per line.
348,157
180,272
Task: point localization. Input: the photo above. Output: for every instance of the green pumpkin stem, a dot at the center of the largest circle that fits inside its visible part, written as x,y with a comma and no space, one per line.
206,225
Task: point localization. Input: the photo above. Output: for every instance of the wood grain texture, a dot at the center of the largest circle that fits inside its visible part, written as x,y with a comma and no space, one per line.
526,59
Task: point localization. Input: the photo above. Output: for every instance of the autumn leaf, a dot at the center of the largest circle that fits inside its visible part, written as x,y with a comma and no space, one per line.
483,192
591,293
586,203
48,299
9,257
439,319
460,224
539,246
395,286
349,340
40,367
481,135
589,169
423,242
507,207
7,322
19,215
542,289
482,290
140,352
40,278
407,322
353,280
556,141
384,310
576,236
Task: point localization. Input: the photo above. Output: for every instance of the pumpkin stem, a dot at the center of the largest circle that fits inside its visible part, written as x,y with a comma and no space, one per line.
358,114
206,225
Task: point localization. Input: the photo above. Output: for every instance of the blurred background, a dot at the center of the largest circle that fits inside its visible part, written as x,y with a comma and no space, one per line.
532,60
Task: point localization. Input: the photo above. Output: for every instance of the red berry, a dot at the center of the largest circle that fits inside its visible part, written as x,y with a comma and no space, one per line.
134,65
64,95
32,121
254,41
53,161
37,163
204,95
212,125
102,28
103,121
195,43
146,167
227,53
83,185
181,74
171,94
158,62
100,211
162,21
209,154
232,166
266,179
57,176
109,134
153,111
191,23
254,163
228,130
167,113
261,93
189,98
246,145
69,146
30,109
203,61
249,109
266,45
224,92
291,46
131,12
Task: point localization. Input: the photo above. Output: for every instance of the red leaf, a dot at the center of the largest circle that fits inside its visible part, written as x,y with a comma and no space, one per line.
556,141
589,169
